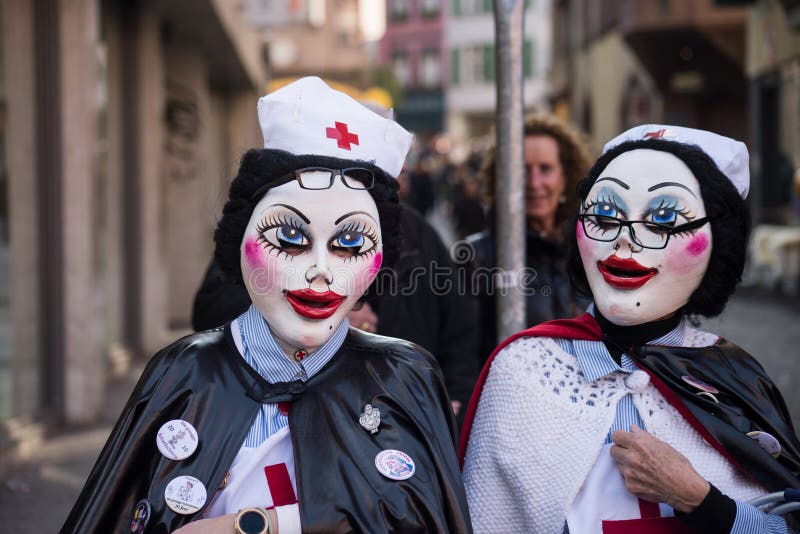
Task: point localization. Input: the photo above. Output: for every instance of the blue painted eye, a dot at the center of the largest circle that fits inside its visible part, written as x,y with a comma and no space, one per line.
605,208
352,242
665,216
289,235
349,239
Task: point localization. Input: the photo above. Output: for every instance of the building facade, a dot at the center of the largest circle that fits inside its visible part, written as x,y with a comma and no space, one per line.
773,71
122,124
469,39
620,63
413,46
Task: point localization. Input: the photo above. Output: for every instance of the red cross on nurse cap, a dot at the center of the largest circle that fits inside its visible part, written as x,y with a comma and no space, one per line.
308,117
730,155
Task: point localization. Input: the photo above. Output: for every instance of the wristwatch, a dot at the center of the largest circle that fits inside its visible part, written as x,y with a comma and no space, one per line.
252,521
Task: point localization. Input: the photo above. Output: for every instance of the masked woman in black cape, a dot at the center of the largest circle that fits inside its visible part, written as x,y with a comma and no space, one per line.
285,419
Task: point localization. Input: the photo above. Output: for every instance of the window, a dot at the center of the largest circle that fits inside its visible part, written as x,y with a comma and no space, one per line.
455,66
401,67
429,68
430,8
488,63
473,64
527,59
398,10
470,7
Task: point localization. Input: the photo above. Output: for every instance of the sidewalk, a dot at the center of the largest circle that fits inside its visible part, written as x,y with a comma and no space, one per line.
39,492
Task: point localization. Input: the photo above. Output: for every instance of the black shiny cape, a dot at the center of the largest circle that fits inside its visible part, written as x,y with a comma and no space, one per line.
748,401
204,380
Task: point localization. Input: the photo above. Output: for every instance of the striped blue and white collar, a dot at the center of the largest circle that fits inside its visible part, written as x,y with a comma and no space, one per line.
596,362
263,353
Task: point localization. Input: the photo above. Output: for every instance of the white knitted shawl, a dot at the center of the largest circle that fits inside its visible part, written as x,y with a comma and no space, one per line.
540,425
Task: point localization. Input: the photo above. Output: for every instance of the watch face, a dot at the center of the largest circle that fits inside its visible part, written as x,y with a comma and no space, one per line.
252,523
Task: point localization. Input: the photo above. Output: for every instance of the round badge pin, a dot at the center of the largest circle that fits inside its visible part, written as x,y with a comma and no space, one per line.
767,441
395,464
177,439
699,384
185,495
140,517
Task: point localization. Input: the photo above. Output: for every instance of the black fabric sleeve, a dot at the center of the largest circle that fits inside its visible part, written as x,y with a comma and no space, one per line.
715,515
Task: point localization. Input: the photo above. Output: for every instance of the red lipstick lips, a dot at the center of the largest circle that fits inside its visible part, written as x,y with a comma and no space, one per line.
313,304
624,273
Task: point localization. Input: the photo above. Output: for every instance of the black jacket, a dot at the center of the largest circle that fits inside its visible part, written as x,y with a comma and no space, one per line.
204,380
422,300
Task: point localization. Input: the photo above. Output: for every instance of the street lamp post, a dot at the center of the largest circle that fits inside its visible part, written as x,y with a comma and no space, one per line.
510,192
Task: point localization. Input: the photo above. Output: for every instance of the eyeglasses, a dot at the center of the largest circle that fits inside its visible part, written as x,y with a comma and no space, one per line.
322,178
646,234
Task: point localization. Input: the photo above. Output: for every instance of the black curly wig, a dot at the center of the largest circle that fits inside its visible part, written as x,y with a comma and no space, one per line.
729,219
260,166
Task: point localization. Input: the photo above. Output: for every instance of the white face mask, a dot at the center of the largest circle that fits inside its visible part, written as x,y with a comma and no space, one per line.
632,284
307,256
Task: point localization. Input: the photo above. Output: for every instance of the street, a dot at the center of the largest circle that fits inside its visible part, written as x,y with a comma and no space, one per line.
38,493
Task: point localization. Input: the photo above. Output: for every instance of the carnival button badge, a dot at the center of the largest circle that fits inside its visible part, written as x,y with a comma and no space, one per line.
699,384
177,439
185,495
395,464
766,441
370,419
140,517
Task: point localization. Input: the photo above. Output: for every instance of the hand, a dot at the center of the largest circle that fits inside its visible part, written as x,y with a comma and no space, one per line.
364,318
656,472
456,405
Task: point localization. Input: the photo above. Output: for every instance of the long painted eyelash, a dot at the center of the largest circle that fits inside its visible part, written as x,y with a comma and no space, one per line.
686,213
601,200
279,220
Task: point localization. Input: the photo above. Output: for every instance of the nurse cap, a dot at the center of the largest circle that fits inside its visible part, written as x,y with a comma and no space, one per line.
307,117
730,155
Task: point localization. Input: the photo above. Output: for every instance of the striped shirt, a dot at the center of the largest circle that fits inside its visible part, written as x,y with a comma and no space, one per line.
596,362
262,353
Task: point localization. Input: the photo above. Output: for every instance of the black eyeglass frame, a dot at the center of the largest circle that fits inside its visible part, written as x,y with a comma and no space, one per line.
670,230
296,175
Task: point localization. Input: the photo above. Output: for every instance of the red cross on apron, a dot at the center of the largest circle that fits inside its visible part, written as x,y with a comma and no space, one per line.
280,485
650,523
342,136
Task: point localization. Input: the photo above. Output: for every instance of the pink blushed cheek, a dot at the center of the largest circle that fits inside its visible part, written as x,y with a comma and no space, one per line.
697,245
376,264
690,257
253,253
262,272
586,246
366,275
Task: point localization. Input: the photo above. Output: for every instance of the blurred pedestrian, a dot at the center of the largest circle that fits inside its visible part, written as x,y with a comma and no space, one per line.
556,159
628,419
421,191
468,212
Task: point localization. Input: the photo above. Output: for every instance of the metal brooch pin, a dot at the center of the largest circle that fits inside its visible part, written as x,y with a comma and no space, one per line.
370,419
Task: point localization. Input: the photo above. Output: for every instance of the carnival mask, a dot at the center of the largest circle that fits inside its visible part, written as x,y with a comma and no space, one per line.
643,237
307,256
